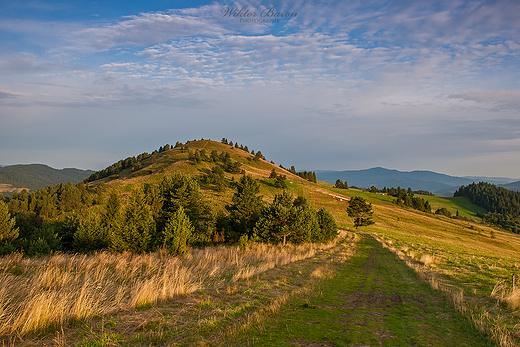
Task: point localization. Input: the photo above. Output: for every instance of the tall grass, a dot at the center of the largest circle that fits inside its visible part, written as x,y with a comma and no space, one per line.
38,294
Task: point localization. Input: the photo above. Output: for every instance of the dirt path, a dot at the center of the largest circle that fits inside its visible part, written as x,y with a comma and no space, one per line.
373,300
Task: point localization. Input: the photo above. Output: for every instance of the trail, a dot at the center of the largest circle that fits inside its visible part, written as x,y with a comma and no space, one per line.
374,300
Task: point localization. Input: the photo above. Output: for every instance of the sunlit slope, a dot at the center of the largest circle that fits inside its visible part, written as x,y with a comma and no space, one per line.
177,160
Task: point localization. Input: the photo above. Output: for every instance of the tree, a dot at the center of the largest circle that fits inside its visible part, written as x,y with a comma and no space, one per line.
90,235
361,211
138,227
8,231
177,232
328,227
112,221
182,190
340,185
280,182
284,221
246,206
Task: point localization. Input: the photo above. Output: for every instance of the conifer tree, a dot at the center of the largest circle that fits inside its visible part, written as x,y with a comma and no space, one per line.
361,211
8,232
112,223
138,226
177,232
90,235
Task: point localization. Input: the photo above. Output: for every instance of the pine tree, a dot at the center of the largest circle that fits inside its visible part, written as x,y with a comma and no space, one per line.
177,232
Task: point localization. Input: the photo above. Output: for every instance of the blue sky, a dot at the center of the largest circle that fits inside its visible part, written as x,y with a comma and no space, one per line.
339,85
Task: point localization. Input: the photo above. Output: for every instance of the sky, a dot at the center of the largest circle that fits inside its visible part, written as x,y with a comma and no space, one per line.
321,85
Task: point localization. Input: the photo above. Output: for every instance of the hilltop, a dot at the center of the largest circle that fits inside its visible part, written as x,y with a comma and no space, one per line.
195,158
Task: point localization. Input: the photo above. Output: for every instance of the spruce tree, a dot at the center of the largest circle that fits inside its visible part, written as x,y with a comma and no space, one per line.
177,232
138,228
8,232
112,221
90,235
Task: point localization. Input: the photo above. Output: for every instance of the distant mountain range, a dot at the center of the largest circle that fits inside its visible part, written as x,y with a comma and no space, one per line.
34,176
439,184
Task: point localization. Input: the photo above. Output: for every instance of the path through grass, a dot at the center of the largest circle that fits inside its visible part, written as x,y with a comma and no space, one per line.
374,299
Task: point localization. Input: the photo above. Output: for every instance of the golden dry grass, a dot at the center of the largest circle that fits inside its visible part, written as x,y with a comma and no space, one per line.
41,293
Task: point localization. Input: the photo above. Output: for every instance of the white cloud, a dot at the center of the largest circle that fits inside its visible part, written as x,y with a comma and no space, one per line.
503,99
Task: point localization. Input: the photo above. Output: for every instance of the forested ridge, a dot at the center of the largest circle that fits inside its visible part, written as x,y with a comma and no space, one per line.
34,176
503,205
170,212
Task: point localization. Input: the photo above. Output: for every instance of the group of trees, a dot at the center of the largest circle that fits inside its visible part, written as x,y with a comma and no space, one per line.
340,184
502,205
286,219
279,179
408,199
172,213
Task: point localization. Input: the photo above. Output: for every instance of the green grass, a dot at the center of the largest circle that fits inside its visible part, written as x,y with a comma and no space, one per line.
374,299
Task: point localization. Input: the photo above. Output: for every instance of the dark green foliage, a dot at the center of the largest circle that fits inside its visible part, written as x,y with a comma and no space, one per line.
327,224
280,182
503,205
258,156
112,221
182,190
91,235
246,206
273,174
359,209
340,185
36,176
44,240
301,202
8,230
177,232
309,176
138,227
283,221
443,211
407,199
215,178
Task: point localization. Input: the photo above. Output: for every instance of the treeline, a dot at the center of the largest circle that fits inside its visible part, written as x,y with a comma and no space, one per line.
171,214
406,197
308,175
503,205
258,155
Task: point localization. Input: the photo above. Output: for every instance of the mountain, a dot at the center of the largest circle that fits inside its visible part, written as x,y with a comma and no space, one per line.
34,176
512,186
440,184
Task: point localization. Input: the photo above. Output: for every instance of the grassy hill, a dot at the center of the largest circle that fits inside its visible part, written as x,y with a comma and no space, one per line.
227,293
177,159
34,176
